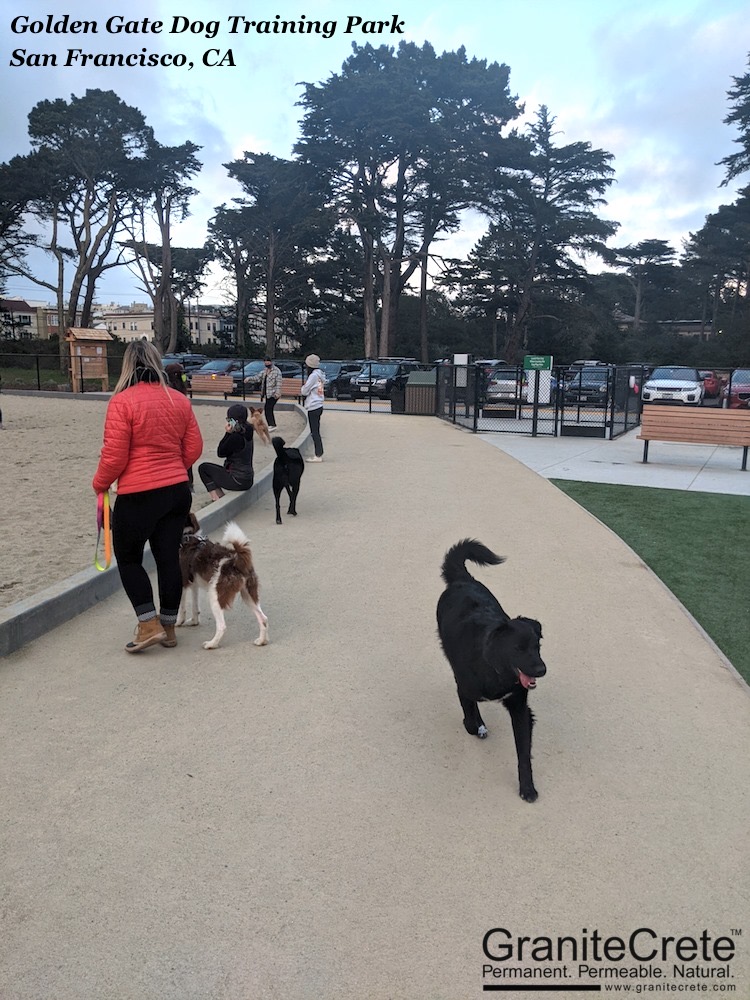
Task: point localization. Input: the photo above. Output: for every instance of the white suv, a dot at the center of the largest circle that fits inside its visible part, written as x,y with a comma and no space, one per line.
674,385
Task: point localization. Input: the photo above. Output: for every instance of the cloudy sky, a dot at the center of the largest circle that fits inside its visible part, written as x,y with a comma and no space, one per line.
646,80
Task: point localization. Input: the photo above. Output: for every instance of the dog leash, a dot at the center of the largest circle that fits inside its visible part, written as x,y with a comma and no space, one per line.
102,524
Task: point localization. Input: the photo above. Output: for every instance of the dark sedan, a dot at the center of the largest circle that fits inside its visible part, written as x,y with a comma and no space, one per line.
338,377
589,385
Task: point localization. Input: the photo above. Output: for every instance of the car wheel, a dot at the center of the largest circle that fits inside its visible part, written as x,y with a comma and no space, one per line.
335,392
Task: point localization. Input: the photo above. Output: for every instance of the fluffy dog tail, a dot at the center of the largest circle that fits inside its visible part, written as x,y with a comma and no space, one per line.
235,538
454,564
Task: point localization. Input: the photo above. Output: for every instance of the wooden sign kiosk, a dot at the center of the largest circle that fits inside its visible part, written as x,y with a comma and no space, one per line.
88,356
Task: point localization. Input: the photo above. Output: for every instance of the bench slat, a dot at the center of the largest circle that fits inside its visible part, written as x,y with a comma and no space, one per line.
212,383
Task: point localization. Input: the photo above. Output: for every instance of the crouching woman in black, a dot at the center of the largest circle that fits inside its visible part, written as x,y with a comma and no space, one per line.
236,448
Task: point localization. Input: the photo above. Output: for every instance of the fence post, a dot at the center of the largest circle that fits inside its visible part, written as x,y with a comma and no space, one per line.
38,375
535,403
477,387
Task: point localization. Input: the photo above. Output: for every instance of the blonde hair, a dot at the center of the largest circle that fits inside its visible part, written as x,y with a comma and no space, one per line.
140,359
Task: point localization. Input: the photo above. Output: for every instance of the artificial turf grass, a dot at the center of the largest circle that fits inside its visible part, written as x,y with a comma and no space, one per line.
698,544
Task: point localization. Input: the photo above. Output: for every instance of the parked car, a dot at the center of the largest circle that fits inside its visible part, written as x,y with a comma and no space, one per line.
736,393
380,378
247,375
338,377
189,362
254,372
711,383
219,366
589,385
290,369
674,384
504,384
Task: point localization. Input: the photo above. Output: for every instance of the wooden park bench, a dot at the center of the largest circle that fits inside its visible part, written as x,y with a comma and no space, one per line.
203,385
290,388
695,425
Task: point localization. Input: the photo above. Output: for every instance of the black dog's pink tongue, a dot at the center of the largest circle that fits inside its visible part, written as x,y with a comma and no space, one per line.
528,682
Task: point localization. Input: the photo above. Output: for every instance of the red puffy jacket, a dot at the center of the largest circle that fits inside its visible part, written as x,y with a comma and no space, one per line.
151,438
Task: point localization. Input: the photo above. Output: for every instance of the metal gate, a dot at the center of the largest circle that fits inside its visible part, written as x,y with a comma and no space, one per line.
497,399
506,399
600,401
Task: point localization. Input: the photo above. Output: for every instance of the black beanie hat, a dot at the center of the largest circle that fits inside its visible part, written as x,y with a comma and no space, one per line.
237,412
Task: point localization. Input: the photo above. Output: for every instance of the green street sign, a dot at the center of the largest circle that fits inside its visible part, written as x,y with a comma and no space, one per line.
537,363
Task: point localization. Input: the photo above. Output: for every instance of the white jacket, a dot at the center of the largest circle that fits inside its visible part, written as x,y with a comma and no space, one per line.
313,390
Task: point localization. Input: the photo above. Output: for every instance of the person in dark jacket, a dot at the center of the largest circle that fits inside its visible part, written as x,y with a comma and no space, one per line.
236,448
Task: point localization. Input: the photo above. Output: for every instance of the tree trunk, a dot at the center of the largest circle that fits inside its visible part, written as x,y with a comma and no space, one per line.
371,343
424,345
384,349
271,296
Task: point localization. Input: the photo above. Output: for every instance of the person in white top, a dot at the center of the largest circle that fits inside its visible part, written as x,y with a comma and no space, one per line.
313,391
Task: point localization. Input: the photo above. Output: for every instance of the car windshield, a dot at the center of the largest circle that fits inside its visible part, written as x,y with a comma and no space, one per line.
598,377
330,367
741,375
215,366
683,374
380,371
252,368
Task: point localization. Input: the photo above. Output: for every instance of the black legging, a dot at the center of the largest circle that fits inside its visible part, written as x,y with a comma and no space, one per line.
314,418
216,476
157,517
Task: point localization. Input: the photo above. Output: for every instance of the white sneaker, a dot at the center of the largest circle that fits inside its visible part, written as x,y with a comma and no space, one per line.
316,458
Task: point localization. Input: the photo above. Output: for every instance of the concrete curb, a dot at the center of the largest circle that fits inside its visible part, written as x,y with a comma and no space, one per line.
26,620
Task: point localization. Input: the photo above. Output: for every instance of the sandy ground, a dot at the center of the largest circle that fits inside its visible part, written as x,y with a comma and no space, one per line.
49,449
310,821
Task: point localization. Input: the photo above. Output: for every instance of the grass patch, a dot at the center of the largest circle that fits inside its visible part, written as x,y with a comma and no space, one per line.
697,543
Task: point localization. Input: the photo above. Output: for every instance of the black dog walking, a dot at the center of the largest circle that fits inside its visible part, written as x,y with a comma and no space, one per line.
494,657
288,467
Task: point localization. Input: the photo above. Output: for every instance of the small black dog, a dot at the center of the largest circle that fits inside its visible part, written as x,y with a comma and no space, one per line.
288,467
494,657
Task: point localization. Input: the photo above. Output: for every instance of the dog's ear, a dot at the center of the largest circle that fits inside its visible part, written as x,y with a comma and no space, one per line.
537,626
494,639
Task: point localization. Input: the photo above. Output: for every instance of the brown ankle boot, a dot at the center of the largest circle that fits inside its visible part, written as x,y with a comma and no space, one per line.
147,634
171,639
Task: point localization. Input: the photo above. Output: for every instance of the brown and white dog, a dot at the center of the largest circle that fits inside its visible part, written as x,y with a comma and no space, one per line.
224,570
258,420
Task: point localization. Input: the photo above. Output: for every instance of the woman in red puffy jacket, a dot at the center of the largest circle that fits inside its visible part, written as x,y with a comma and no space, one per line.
151,438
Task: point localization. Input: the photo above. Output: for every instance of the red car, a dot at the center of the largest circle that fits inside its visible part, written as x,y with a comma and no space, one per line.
711,383
736,393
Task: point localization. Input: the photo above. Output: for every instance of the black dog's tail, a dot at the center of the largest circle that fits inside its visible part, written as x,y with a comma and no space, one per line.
454,564
278,443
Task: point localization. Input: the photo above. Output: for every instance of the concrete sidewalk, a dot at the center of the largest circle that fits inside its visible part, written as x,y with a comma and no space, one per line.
310,821
695,467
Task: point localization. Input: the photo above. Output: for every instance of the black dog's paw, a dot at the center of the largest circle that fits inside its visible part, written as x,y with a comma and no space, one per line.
278,520
483,732
292,512
529,794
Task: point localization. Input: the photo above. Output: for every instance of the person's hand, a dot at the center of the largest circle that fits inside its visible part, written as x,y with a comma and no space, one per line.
228,427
